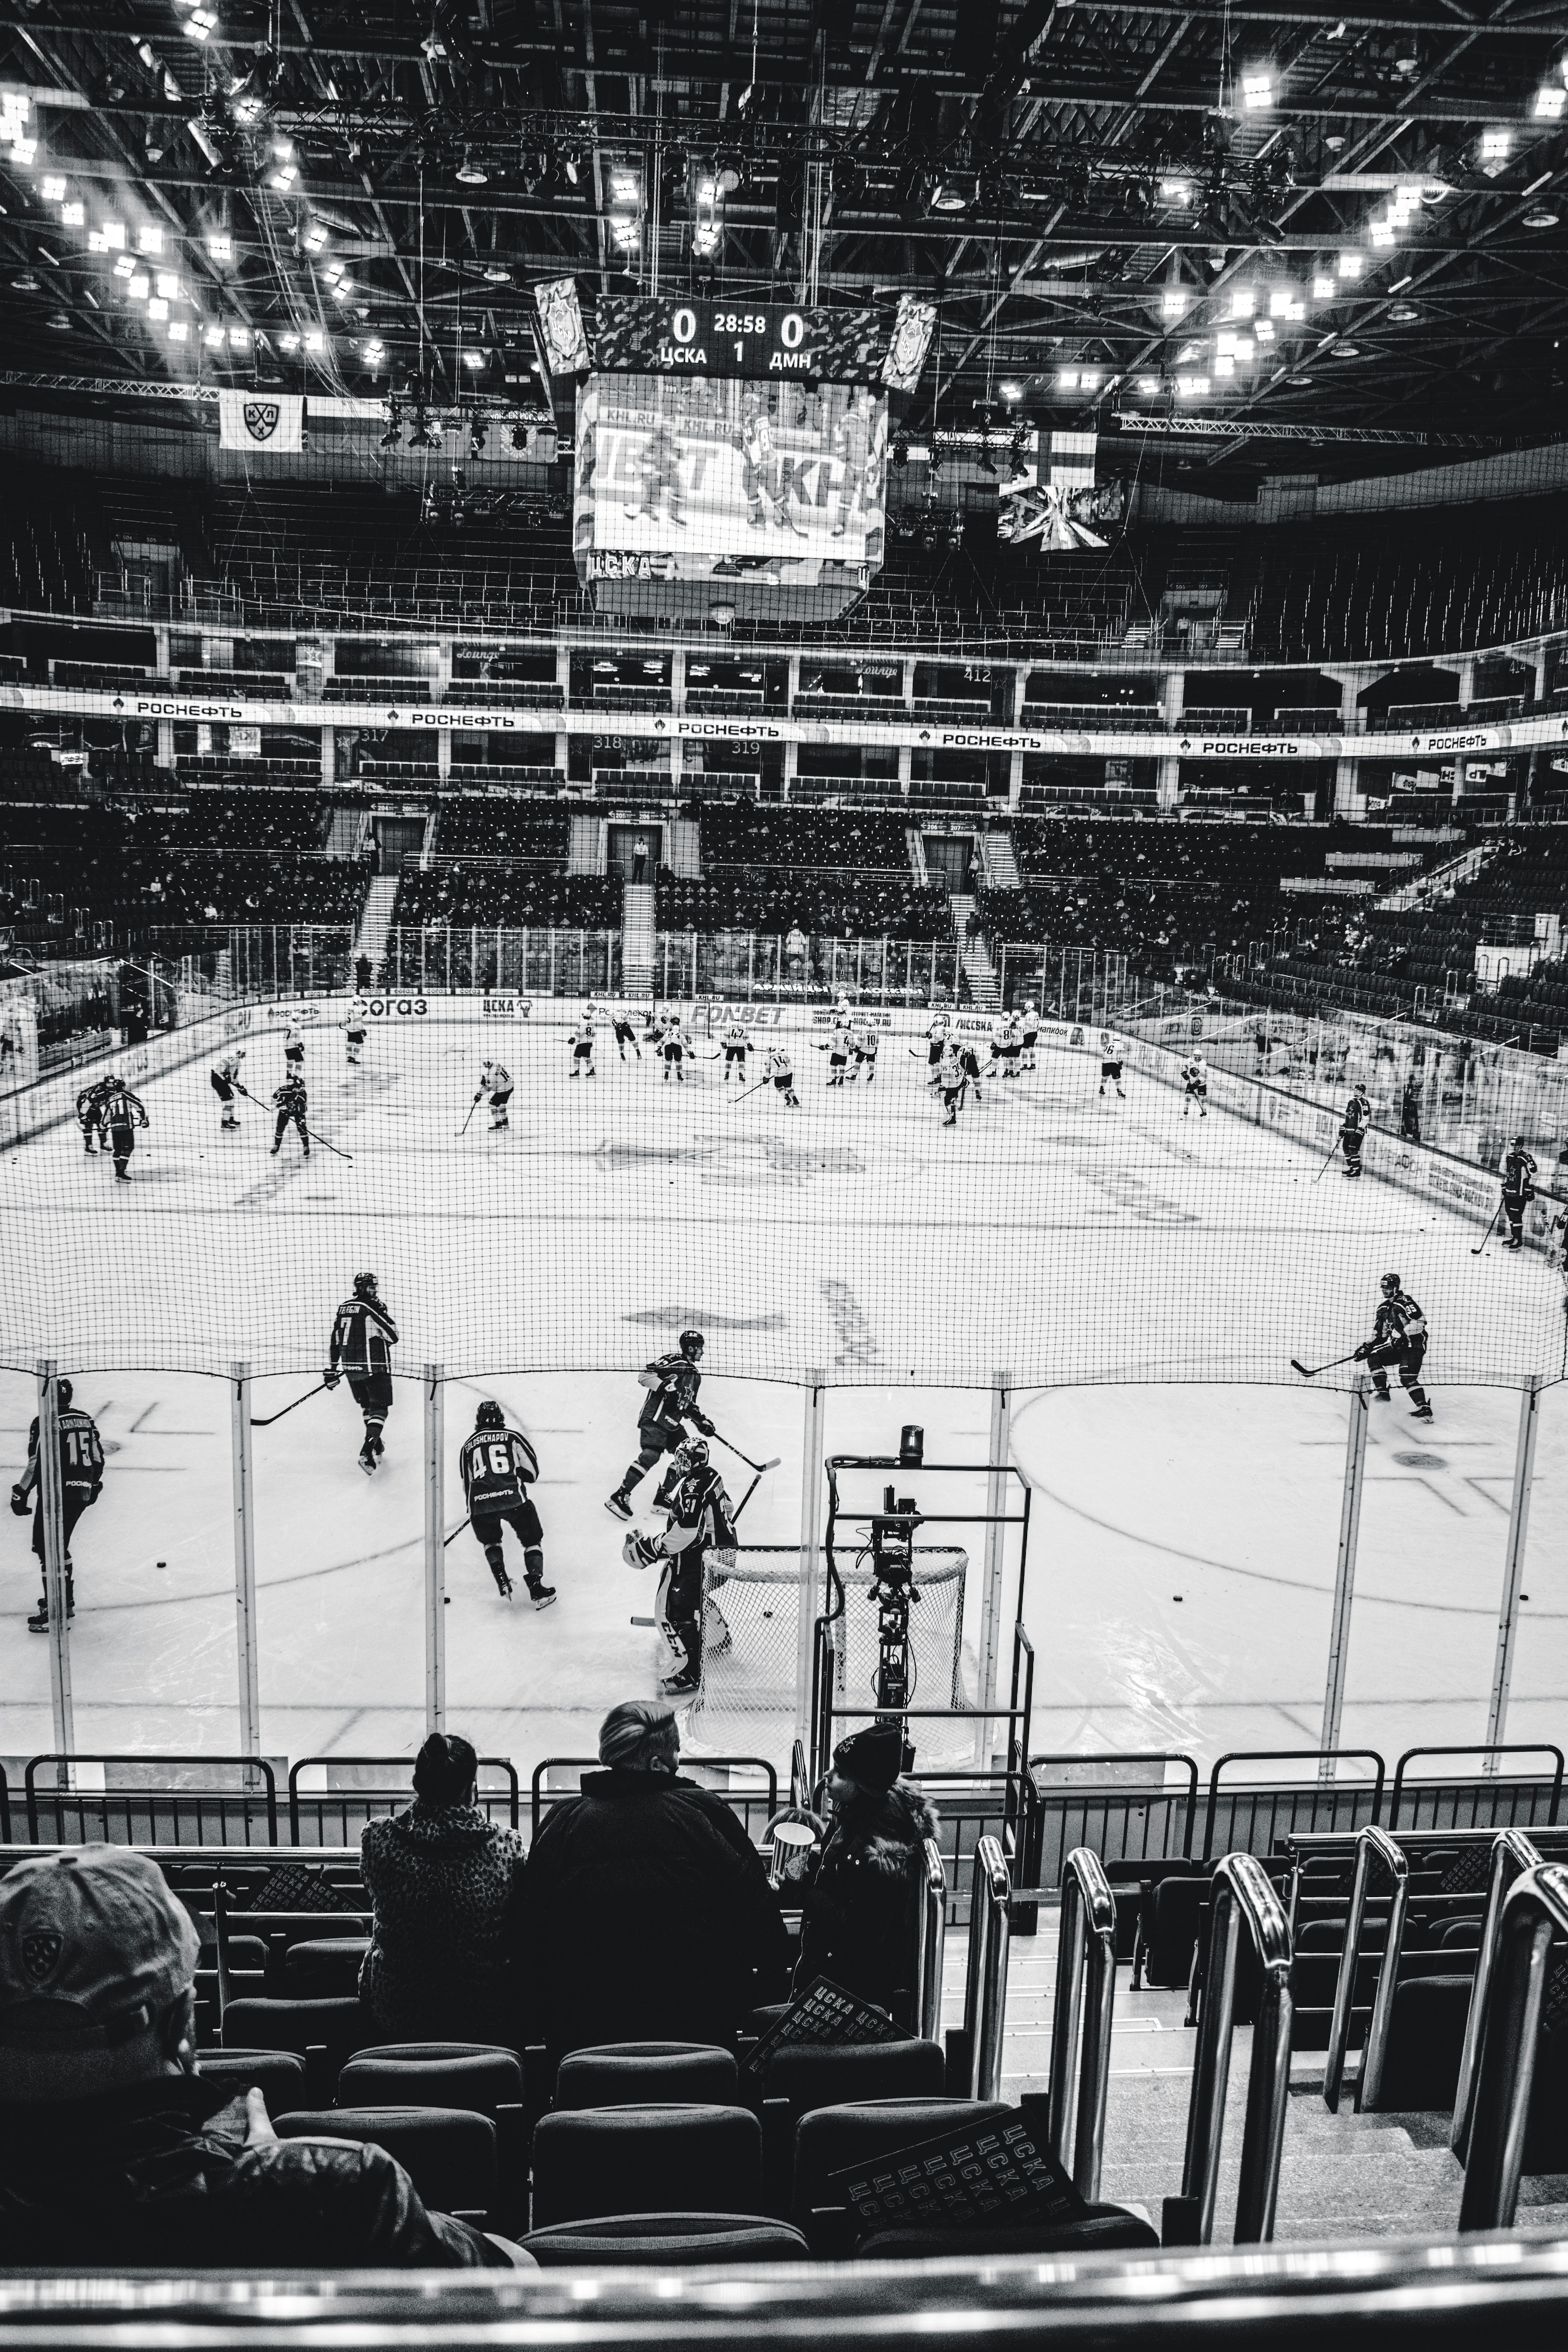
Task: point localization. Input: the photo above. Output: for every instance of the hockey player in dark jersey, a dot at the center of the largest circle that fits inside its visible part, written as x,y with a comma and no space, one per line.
289,1100
498,1465
1399,1339
364,1336
81,1480
969,1063
701,1525
89,1113
672,1382
121,1112
1518,1189
1354,1127
951,1082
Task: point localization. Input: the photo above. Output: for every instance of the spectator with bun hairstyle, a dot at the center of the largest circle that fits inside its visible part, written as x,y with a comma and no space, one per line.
858,1923
647,1914
444,1881
114,2153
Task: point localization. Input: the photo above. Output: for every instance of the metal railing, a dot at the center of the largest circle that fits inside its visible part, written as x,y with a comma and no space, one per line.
1490,1751
985,1979
931,1942
1534,1912
1087,1950
351,1803
1243,1896
753,1802
1370,1840
1512,1854
148,1799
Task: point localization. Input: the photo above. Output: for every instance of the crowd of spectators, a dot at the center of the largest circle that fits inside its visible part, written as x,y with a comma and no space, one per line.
510,896
829,873
644,1916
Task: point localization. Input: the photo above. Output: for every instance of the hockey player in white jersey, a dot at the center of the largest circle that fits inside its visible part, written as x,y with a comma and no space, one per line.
582,1046
225,1083
495,1087
1029,1033
937,1033
736,1043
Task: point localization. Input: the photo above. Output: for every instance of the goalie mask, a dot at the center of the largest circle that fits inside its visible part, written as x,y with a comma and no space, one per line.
690,1455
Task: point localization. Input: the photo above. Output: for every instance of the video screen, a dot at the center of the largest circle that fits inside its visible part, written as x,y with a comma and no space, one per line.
704,467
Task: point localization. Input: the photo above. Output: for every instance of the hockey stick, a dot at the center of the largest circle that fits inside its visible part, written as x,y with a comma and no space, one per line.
1310,1373
735,1514
1491,1228
328,1147
472,1108
1333,1150
266,1421
750,1090
456,1531
758,1466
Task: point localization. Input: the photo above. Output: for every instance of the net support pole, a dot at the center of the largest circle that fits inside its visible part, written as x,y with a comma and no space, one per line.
1513,1569
435,1553
245,1562
997,1454
812,1448
52,1498
1344,1573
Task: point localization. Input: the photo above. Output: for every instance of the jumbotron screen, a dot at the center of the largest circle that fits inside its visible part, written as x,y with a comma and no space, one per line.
686,477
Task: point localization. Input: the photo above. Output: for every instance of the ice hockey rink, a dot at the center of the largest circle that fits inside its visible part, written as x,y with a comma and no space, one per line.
1143,1278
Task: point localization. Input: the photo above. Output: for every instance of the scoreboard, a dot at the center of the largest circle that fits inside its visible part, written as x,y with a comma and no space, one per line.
682,336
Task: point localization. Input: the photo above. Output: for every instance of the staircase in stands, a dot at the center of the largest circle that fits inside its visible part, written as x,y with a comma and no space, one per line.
375,921
637,939
975,957
998,859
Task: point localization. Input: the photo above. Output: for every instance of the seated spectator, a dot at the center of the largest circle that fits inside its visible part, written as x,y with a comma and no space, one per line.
444,1879
857,1923
112,2149
647,1915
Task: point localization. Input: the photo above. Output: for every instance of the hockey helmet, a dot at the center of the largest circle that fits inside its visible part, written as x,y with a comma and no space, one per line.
489,1415
690,1455
1389,1284
63,1393
364,1286
692,1345
1518,1143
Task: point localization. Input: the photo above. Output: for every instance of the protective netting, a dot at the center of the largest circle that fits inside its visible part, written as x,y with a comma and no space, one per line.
752,1632
1084,1216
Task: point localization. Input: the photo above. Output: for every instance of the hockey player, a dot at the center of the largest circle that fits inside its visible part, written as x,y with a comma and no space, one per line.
495,1087
583,1046
1110,1067
937,1032
736,1043
863,1042
701,1524
672,1382
625,1033
226,1081
1354,1127
950,1079
81,1482
1011,1043
294,1050
778,1066
969,1063
89,1113
1029,1033
498,1465
364,1336
291,1104
838,1054
354,1038
672,1046
1518,1189
1195,1083
1399,1337
121,1112
653,1030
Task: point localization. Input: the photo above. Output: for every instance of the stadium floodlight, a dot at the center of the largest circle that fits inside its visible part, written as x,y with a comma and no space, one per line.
1192,387
469,173
53,188
1176,192
315,342
240,338
1324,285
1257,87
149,240
73,215
200,25
124,266
140,286
1223,364
1147,387
1067,379
214,338
1496,145
290,341
179,331
220,245
112,232
475,360
1264,330
1383,233
314,236
157,308
284,177
1175,301
169,285
1284,302
1550,102
1350,265
1243,301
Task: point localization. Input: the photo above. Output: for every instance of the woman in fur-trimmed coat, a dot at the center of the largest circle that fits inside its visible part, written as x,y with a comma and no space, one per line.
857,1923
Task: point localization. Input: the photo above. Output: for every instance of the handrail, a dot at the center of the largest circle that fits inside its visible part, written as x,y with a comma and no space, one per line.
705,1763
1369,1841
1480,1748
387,1795
1242,1895
1088,1935
1281,1755
985,1977
1535,1910
1513,1853
260,1782
931,1942
1133,1756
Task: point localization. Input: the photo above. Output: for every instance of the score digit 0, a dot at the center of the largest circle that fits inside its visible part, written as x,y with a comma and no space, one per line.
792,331
683,326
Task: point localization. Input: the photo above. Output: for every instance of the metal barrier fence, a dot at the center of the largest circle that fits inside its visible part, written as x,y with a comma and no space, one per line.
755,1805
144,1805
353,1803
530,960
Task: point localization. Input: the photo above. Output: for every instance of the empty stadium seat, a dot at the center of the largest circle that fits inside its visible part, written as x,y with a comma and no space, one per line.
652,2241
325,1966
605,2161
475,2074
638,2073
278,2075
448,2153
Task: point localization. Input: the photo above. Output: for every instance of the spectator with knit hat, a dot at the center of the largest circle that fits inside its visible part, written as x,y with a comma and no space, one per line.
857,1925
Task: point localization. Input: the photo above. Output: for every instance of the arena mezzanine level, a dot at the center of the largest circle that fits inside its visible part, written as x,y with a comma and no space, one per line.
1339,738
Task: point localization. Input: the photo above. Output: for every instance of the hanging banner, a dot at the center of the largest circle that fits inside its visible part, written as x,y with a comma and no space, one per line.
270,421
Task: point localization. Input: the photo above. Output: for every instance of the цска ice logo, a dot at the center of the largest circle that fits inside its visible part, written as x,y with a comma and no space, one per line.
261,419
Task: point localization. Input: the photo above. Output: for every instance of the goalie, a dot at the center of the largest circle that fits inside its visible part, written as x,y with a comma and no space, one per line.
701,1522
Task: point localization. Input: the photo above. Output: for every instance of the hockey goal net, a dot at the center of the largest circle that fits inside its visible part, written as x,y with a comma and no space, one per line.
752,1632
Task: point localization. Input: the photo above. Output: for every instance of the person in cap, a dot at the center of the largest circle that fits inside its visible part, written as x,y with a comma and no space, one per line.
858,1923
647,1912
113,2151
444,1879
